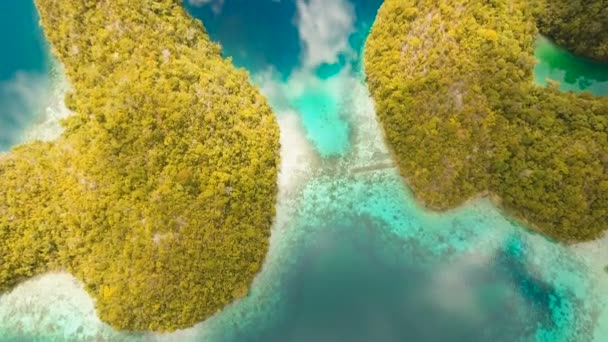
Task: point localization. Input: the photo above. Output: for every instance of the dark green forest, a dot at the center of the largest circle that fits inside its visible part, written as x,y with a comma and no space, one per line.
454,91
578,25
160,194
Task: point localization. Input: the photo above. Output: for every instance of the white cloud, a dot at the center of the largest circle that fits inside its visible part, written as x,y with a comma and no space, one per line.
52,107
23,100
324,27
33,106
216,5
297,156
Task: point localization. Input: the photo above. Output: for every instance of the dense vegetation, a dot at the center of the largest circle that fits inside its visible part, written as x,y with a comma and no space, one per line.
579,25
160,194
453,85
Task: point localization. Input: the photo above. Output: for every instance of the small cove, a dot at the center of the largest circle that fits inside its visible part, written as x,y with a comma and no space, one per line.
573,73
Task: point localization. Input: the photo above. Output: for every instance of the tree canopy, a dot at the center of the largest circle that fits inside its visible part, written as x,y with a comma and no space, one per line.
581,26
454,91
160,194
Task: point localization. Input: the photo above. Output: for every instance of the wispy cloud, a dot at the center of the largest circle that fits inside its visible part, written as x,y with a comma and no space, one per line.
324,27
216,5
52,109
22,100
32,106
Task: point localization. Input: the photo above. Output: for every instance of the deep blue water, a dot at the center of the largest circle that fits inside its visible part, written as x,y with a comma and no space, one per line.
259,34
366,264
23,65
22,42
256,34
354,284
357,259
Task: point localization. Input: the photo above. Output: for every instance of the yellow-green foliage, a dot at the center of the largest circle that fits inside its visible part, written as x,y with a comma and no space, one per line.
160,194
453,85
579,25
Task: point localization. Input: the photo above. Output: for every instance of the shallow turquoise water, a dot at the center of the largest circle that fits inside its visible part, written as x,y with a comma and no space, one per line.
367,264
320,114
264,37
353,257
572,72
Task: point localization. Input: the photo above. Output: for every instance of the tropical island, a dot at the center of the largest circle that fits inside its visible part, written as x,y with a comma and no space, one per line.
454,91
160,194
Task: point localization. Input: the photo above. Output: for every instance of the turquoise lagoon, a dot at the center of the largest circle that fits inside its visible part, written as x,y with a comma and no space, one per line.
573,73
353,257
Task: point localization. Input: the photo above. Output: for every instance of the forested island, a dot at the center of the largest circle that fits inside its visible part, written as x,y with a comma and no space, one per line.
159,195
454,91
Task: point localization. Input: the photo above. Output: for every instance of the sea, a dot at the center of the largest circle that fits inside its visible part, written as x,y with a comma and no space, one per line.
353,256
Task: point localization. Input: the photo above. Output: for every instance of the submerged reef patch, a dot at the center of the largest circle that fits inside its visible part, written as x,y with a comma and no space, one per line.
159,195
454,90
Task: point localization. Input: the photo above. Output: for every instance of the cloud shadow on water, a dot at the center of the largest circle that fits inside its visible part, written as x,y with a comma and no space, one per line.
353,283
